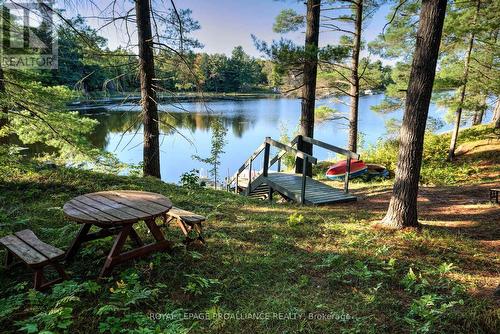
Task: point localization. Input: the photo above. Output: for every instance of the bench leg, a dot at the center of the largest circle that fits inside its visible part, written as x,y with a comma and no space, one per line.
199,230
40,282
9,259
38,279
186,229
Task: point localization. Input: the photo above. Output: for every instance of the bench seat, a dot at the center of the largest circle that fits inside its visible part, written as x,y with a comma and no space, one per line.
36,254
188,222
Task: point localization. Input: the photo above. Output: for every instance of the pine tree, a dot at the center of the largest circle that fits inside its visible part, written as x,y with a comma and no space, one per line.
151,148
402,211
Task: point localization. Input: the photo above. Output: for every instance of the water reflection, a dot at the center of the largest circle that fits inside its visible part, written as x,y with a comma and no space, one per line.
115,121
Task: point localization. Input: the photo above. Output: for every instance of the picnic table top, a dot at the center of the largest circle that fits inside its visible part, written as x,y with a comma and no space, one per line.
116,207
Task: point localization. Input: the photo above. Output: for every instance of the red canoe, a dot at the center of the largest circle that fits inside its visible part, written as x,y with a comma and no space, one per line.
337,171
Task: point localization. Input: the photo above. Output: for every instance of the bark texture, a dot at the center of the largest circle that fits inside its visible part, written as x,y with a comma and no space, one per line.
496,115
458,112
354,92
3,116
478,117
402,211
309,77
151,150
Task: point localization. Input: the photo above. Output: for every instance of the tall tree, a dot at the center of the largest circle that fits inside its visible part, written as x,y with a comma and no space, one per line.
3,109
309,79
458,112
353,116
151,149
402,211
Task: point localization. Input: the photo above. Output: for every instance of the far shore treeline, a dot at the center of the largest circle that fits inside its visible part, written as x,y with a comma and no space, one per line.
83,69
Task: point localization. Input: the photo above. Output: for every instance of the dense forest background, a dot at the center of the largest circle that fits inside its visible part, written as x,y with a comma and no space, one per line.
84,69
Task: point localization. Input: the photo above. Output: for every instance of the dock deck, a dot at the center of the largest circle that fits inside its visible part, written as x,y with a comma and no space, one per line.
289,185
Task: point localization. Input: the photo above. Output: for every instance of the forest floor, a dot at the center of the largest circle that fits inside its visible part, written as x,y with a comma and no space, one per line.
266,267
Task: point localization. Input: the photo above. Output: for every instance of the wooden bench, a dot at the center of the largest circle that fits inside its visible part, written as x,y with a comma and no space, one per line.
494,195
188,222
36,254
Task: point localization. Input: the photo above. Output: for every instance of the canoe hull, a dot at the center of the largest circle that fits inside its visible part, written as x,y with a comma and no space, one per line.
375,170
338,171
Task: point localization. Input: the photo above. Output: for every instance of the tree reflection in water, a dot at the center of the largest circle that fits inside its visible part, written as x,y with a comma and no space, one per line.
128,121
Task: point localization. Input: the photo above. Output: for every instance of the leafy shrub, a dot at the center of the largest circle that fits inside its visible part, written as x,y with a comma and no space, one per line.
197,285
295,219
435,167
191,180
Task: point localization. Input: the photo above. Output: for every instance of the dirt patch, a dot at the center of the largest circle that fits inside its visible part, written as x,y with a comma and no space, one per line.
459,209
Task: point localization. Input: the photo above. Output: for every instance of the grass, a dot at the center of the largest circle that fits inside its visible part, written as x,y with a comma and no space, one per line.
266,268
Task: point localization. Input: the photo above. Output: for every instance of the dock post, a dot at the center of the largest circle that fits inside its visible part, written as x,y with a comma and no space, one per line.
265,167
346,177
304,180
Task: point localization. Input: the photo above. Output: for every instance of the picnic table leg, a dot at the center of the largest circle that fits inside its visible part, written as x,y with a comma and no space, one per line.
135,237
115,250
155,230
80,237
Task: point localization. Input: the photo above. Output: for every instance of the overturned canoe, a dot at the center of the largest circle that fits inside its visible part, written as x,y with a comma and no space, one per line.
337,171
375,170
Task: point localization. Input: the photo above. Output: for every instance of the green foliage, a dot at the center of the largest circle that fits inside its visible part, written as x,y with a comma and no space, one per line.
288,20
38,115
218,73
198,285
324,113
191,179
435,168
427,311
288,159
296,219
398,42
219,133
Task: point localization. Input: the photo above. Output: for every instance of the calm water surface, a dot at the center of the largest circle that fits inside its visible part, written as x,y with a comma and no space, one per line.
186,131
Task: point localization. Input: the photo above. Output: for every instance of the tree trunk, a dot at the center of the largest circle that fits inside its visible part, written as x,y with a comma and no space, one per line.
479,113
3,117
496,115
458,112
353,118
478,117
151,150
402,211
309,83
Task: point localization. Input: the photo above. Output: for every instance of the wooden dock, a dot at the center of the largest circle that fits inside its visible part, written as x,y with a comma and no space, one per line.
289,186
292,186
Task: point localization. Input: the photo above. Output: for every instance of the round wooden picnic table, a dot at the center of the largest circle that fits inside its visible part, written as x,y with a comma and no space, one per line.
116,212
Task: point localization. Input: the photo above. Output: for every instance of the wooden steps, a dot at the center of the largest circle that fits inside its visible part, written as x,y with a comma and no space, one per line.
289,185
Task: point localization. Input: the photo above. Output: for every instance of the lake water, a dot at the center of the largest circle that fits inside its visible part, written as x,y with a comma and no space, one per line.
185,129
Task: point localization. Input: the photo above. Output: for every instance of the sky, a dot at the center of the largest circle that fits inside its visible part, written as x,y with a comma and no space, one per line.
229,23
